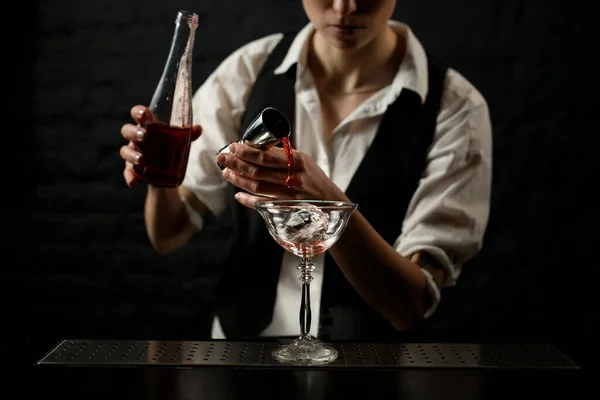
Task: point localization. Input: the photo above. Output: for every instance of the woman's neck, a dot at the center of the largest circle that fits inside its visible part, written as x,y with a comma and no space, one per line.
364,69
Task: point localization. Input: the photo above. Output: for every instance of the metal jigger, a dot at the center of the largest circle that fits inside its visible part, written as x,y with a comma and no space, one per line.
265,131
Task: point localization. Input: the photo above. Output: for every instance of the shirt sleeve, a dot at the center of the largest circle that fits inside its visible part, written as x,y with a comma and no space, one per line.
448,214
218,106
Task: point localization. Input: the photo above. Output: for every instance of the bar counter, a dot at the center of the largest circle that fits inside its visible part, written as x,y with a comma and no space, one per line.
139,369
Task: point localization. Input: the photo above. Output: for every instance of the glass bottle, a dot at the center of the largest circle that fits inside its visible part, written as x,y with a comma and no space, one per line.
166,145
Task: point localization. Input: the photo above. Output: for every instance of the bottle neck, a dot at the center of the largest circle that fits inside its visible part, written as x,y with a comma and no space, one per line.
187,18
176,77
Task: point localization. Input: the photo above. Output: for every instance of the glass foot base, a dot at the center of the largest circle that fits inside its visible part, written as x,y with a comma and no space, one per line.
305,351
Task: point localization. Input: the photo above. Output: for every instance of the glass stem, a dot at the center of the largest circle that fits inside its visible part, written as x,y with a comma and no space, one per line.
306,267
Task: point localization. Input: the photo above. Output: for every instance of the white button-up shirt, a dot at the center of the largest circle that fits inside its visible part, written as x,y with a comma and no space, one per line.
448,214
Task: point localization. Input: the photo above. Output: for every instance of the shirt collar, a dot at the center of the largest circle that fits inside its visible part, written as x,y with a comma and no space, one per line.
412,74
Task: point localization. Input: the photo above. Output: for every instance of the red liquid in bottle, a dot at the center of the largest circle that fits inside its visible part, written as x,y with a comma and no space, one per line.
165,152
290,165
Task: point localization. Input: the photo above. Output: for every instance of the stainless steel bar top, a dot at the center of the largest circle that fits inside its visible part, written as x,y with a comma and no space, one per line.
351,355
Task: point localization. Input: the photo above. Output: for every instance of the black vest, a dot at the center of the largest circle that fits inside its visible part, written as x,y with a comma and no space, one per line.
391,169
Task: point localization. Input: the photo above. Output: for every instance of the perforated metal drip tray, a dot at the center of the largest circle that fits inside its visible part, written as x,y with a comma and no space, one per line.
258,354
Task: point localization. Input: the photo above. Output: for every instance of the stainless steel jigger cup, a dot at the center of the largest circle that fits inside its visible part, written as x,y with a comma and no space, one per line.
265,131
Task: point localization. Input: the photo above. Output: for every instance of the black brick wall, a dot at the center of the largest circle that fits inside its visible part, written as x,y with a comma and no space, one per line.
75,235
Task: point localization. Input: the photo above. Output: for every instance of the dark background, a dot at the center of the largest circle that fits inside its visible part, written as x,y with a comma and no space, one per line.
77,262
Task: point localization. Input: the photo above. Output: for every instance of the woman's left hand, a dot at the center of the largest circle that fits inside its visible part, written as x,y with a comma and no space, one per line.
261,175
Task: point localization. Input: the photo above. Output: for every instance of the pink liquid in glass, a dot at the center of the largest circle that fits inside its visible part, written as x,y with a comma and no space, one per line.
310,249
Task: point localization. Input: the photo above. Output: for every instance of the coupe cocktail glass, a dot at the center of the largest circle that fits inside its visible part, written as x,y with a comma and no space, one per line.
305,228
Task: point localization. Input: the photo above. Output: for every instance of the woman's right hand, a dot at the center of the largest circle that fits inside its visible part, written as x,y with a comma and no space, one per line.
135,133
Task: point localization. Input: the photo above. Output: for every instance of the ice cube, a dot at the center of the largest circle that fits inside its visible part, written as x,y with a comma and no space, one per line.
306,224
